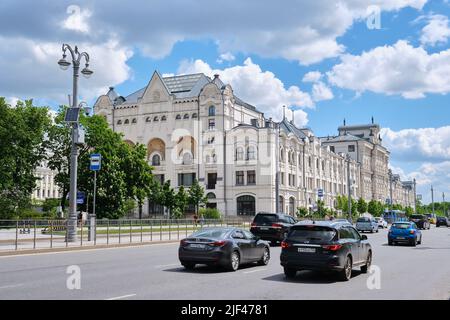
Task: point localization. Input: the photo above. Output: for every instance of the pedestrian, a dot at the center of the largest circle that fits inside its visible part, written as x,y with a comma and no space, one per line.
195,219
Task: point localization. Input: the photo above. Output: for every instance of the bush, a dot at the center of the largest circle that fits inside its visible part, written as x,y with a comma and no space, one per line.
302,212
210,213
50,204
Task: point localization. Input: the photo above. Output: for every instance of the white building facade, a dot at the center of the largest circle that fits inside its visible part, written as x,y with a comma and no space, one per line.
195,127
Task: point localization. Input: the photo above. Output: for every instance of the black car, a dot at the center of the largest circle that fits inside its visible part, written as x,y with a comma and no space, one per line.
421,221
442,221
226,247
325,246
272,226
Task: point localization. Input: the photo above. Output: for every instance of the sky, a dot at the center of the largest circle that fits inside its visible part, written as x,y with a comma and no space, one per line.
327,60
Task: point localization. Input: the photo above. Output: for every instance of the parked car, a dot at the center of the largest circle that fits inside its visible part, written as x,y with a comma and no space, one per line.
226,247
272,226
381,222
442,221
366,224
325,246
404,232
432,217
420,220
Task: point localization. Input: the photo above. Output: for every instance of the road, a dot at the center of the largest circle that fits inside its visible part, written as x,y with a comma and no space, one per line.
153,272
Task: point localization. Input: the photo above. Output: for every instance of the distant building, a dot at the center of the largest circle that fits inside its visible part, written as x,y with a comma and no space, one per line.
45,185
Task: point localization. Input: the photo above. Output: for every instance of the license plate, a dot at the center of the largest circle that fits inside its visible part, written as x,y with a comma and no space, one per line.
198,246
309,250
263,228
401,238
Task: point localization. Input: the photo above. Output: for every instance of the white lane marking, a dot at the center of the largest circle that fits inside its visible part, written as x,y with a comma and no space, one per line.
11,286
88,250
122,297
246,272
167,265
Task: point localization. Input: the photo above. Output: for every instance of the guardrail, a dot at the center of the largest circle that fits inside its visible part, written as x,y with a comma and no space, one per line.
18,235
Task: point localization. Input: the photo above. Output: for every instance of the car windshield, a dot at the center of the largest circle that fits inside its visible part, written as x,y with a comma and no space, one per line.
401,225
363,220
311,233
211,233
266,218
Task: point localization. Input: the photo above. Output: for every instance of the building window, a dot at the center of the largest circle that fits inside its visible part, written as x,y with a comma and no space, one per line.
127,121
156,160
186,179
251,153
246,205
178,117
186,116
163,118
211,124
211,140
309,162
239,154
134,120
212,111
148,119
212,180
332,149
187,158
282,178
351,148
239,178
251,177
119,122
155,119
194,116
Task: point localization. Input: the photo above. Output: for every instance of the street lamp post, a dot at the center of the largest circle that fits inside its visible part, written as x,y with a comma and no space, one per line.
432,198
349,190
443,204
64,64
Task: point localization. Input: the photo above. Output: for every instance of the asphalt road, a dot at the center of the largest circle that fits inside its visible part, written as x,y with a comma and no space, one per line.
153,272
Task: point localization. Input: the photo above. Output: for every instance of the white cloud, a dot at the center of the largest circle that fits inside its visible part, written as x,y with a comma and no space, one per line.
77,19
227,56
321,92
260,88
426,144
399,69
437,31
36,74
12,101
312,76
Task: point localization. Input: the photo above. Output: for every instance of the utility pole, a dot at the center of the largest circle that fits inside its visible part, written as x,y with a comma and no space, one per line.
415,196
349,190
443,204
277,166
432,198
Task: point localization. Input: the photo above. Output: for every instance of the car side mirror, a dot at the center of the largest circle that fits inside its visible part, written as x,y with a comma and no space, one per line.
363,237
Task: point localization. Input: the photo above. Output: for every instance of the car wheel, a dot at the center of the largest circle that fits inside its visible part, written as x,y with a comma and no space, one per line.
188,266
414,242
234,261
346,272
265,258
420,241
366,267
390,242
377,230
289,272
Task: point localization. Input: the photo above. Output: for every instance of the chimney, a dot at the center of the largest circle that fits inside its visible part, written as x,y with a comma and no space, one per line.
216,76
293,121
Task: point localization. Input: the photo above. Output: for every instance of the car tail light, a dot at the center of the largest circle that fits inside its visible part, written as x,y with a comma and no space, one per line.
412,231
285,245
276,225
253,224
219,243
183,243
332,247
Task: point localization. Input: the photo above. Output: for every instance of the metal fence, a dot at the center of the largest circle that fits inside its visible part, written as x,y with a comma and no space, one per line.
18,235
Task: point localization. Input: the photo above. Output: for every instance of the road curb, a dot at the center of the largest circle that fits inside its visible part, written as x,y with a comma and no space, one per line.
79,248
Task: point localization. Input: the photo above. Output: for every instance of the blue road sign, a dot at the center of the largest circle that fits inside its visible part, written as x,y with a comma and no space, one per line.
320,193
96,162
80,197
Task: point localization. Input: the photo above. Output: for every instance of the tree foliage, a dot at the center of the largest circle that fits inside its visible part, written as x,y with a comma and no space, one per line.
197,195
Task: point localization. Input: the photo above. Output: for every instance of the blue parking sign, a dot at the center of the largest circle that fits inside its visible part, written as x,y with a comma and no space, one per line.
320,193
80,197
96,161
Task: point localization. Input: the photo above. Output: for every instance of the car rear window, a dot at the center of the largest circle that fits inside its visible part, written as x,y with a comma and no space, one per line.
417,216
266,218
401,225
363,220
211,233
313,234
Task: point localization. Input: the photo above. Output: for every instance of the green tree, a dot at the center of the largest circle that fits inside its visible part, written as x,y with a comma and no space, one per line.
22,130
181,200
302,212
321,208
168,197
362,205
197,195
372,208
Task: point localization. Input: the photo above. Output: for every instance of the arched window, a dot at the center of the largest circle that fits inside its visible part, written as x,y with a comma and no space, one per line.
187,158
186,116
246,205
148,119
155,119
119,122
212,111
194,116
134,120
127,121
178,117
281,154
156,160
281,203
211,195
291,205
163,118
251,153
239,153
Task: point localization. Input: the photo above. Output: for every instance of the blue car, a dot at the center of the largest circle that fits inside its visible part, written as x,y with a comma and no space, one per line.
404,232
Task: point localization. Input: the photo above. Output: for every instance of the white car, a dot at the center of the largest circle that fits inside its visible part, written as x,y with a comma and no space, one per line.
381,222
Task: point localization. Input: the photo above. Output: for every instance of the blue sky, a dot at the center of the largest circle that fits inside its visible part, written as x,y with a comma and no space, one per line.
397,73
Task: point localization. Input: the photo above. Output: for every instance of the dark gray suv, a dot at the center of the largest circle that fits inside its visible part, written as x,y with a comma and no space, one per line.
325,246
